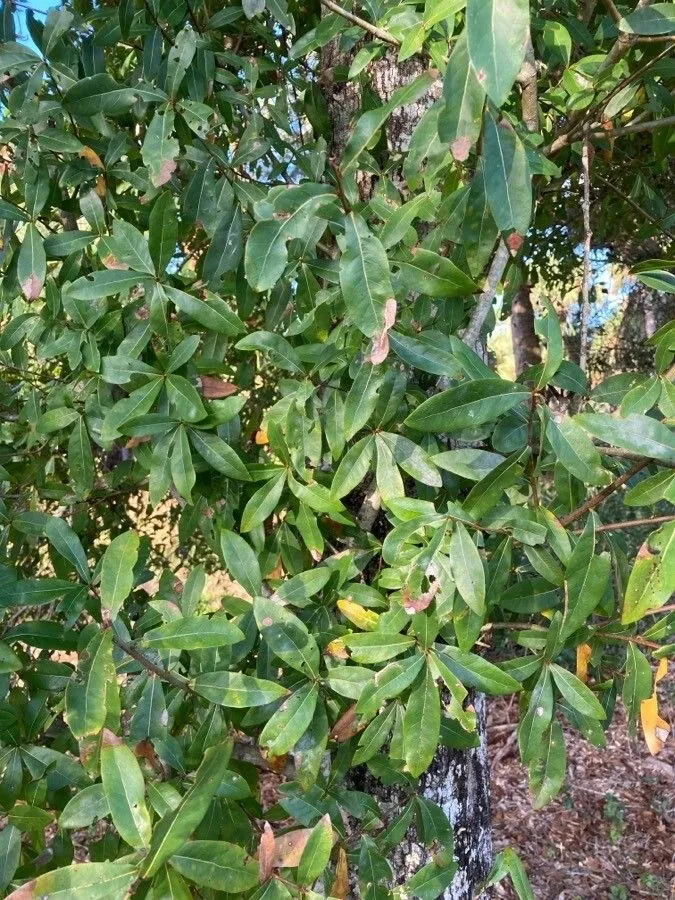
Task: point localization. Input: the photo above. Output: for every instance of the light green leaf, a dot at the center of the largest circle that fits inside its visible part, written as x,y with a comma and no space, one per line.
467,569
652,579
364,276
117,571
459,122
497,32
219,455
317,851
241,562
82,881
290,721
236,690
86,690
467,406
507,174
194,633
547,769
66,543
160,148
217,865
578,695
125,789
31,269
638,434
422,724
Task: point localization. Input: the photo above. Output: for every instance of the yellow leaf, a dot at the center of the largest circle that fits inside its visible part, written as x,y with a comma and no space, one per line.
261,437
92,157
655,728
340,888
365,619
584,653
337,649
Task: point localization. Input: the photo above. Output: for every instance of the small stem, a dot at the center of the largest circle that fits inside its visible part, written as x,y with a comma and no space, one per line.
602,495
612,10
362,23
140,657
636,207
486,299
632,523
629,639
586,283
652,125
663,609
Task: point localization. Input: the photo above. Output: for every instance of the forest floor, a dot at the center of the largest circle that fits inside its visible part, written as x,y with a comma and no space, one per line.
611,831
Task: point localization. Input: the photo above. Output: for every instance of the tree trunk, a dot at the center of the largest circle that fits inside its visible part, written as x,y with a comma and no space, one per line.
458,781
526,347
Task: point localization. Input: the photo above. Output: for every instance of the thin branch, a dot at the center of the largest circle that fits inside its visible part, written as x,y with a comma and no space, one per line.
625,454
612,10
654,38
628,639
632,523
662,609
586,283
652,125
527,79
486,299
636,207
362,23
602,495
140,657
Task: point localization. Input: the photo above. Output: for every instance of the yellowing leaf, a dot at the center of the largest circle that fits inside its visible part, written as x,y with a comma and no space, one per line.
655,728
365,619
92,157
584,653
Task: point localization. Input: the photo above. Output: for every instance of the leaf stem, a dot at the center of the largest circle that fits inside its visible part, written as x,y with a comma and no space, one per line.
140,657
602,495
362,23
632,523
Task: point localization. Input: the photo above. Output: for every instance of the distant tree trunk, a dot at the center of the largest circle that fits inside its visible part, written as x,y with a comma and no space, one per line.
458,781
526,346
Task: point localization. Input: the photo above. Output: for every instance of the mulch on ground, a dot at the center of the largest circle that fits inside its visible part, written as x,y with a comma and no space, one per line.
611,831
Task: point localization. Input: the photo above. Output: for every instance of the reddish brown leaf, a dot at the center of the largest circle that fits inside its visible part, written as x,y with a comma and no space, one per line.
266,853
216,388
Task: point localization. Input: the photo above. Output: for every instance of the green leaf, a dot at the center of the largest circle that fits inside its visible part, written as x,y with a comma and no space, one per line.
85,807
467,406
117,571
194,633
10,854
317,851
391,681
538,715
497,33
459,122
67,544
287,636
364,276
587,576
182,470
179,58
262,504
652,578
266,251
163,231
377,646
279,350
554,345
184,399
236,690
638,434
476,672
575,451
637,682
290,721
375,735
241,562
422,724
98,94
125,789
507,174
467,569
225,249
83,881
81,460
160,148
217,865
86,691
128,247
31,269
432,274
659,18
547,769
9,661
214,314
219,455
580,697
178,824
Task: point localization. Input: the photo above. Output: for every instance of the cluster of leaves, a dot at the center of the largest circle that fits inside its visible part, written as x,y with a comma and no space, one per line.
192,291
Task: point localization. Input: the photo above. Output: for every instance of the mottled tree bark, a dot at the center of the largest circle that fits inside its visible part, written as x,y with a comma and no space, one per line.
526,346
458,781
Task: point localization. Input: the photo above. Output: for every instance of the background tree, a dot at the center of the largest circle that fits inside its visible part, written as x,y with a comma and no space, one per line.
250,260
